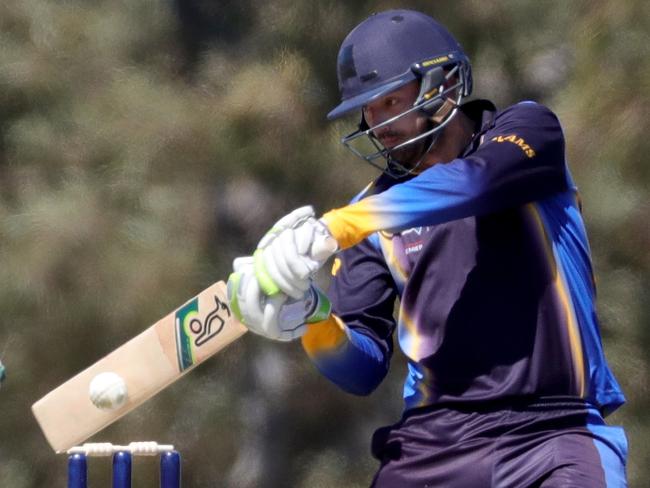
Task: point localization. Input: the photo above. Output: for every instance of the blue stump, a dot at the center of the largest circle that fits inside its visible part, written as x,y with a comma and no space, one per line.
77,471
122,470
170,470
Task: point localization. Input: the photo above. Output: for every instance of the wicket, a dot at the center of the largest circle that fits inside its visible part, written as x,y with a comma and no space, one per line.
170,463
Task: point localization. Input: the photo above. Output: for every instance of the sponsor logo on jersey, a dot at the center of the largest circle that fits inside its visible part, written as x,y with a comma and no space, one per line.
414,247
517,141
417,245
416,230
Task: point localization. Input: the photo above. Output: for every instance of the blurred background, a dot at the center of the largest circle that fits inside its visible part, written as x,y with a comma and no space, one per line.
146,143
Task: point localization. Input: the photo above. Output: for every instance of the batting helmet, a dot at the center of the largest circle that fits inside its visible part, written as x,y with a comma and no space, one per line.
389,50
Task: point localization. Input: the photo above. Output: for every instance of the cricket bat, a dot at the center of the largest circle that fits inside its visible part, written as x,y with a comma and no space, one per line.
148,363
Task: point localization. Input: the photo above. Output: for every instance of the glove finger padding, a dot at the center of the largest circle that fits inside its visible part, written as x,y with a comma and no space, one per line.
288,221
286,264
288,258
324,245
242,262
290,253
250,302
259,312
314,240
304,236
277,269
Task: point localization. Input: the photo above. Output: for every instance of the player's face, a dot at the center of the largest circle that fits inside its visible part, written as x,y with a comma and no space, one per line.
402,129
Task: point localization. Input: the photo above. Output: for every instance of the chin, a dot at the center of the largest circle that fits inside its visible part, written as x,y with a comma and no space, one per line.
406,157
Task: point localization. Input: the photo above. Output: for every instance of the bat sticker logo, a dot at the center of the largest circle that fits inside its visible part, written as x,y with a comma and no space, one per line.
192,333
207,330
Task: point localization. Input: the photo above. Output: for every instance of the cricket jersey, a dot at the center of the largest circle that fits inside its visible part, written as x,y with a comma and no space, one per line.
488,257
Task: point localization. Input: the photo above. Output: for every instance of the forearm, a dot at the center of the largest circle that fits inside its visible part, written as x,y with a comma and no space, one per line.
425,200
500,174
349,358
456,190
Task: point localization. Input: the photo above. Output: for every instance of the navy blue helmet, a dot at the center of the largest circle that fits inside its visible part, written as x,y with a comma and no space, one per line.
389,50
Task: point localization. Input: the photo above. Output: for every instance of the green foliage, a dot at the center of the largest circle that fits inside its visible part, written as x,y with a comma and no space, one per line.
140,153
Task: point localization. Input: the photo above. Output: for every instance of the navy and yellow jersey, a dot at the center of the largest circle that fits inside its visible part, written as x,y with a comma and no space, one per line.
490,261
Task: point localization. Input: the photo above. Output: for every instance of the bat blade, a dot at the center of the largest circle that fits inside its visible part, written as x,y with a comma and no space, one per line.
148,363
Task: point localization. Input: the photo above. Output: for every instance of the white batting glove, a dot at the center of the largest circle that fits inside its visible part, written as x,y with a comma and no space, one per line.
287,222
289,254
275,317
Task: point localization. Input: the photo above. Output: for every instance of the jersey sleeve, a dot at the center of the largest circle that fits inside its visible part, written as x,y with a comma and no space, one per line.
353,346
519,160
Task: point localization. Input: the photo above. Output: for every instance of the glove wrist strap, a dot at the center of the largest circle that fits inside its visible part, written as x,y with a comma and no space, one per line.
320,308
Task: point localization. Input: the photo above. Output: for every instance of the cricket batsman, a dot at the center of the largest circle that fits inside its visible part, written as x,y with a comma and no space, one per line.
475,226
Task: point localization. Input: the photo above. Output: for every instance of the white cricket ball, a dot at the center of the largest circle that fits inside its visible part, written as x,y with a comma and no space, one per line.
107,391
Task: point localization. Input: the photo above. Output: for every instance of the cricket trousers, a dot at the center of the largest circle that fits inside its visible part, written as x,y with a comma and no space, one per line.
547,444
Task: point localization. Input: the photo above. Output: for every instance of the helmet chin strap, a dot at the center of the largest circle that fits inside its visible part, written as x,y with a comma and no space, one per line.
395,168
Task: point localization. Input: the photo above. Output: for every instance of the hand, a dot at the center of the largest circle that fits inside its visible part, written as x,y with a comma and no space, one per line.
290,220
277,317
287,222
290,253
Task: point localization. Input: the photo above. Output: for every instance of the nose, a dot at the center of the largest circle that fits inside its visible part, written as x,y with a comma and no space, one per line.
374,117
383,132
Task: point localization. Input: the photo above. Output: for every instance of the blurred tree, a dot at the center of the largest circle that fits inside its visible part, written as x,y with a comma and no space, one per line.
205,25
605,107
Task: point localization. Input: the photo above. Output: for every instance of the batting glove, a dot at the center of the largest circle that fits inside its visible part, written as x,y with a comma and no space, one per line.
289,254
275,317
